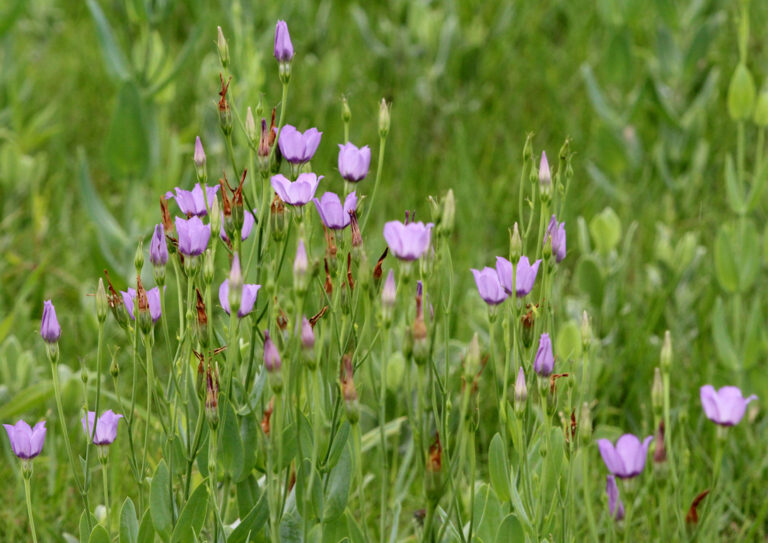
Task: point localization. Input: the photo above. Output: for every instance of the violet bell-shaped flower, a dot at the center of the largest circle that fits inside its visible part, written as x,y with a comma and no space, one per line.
50,329
296,193
153,299
248,222
297,147
726,406
193,236
627,458
106,427
544,362
407,241
26,442
192,202
332,213
247,300
488,286
556,236
354,162
524,278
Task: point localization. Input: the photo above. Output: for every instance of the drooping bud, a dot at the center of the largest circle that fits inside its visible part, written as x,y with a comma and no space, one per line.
101,301
250,127
383,119
221,45
235,285
225,113
521,391
657,394
515,244
388,297
199,159
586,330
433,483
300,268
138,257
666,353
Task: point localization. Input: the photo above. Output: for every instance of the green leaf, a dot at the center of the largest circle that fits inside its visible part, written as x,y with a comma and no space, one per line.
192,516
568,344
737,255
85,532
498,466
99,535
605,228
338,445
337,492
510,531
146,529
741,93
129,525
126,148
309,501
487,513
589,278
160,502
114,59
733,190
230,444
252,523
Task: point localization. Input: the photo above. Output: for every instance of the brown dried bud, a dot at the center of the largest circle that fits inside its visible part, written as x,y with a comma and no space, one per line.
660,451
377,271
692,517
168,224
350,279
357,238
265,426
318,316
330,242
328,283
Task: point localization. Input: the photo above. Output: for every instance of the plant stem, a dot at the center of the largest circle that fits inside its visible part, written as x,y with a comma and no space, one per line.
105,480
29,509
379,166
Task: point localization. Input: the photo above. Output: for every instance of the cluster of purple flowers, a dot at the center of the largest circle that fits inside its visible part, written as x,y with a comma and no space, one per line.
495,285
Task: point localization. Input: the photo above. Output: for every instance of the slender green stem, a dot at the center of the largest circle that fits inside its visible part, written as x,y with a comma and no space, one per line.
379,166
105,481
150,391
588,494
28,494
384,484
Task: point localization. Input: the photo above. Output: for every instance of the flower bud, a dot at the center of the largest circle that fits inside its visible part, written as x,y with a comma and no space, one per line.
307,336
346,113
101,302
84,375
272,362
138,257
250,127
215,215
199,159
521,391
383,119
657,393
419,329
279,219
208,267
388,297
545,178
433,483
300,268
348,390
221,45
225,113
741,94
235,285
528,147
515,244
114,368
395,371
586,330
585,424
666,353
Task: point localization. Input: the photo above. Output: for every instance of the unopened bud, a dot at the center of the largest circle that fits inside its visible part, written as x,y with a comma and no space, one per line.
545,175
383,119
515,244
300,268
215,216
235,285
346,113
666,353
84,375
208,267
586,330
101,302
138,258
528,147
307,335
388,297
657,393
114,368
221,45
279,219
521,391
199,159
585,424
250,126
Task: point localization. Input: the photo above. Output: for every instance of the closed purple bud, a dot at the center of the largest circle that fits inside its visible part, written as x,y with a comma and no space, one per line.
488,286
158,249
332,213
106,427
726,406
545,176
354,162
272,361
307,334
299,192
26,442
407,241
297,147
192,202
193,236
300,266
556,236
544,362
627,458
49,327
615,505
389,291
283,46
199,156
521,391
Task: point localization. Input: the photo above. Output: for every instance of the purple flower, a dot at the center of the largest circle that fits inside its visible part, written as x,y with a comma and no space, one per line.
298,148
246,301
271,356
106,427
331,212
726,406
158,249
627,459
299,192
556,232
192,202
199,156
407,241
615,505
488,286
544,362
283,45
193,236
524,278
248,222
26,442
50,328
354,162
307,334
153,299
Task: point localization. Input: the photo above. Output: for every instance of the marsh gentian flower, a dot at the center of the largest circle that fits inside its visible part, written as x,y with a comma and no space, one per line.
247,300
544,362
297,147
556,232
726,406
158,249
50,329
192,202
299,192
488,286
407,241
193,236
332,213
283,46
26,442
524,277
153,299
248,222
627,458
106,427
272,361
354,162
615,505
